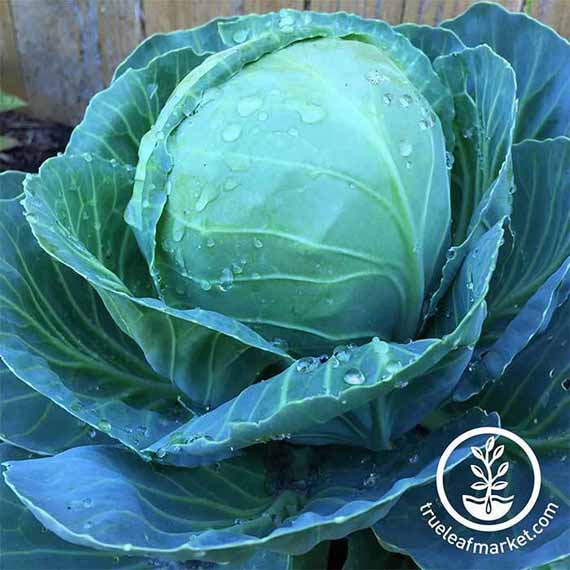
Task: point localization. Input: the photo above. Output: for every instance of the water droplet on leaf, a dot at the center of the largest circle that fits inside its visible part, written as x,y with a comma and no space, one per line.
231,133
248,105
354,377
306,365
240,36
405,148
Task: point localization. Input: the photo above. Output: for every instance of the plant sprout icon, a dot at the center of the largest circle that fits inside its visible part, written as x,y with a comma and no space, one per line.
490,507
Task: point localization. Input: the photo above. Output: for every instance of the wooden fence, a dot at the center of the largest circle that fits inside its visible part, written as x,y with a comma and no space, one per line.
56,53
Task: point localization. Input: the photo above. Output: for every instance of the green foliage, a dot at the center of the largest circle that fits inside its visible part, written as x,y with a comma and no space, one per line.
9,103
276,249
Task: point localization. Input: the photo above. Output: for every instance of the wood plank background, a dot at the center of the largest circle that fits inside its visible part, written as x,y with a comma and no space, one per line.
56,53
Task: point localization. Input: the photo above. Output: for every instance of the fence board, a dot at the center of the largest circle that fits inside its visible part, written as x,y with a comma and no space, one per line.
10,74
554,13
57,53
389,10
433,12
121,27
58,56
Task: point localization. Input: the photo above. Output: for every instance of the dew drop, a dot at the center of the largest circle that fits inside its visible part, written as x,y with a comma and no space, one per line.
306,365
393,366
257,243
240,36
565,384
449,160
87,157
354,377
370,480
226,279
230,184
161,453
405,148
210,243
375,77
388,98
231,133
310,113
87,502
405,101
205,285
104,425
342,353
286,22
249,105
293,132
263,116
414,458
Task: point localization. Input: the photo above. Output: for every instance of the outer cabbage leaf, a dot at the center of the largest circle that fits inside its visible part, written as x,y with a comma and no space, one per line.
279,498
33,422
531,278
434,42
539,57
75,208
481,176
532,398
26,544
28,419
11,186
58,338
117,118
203,40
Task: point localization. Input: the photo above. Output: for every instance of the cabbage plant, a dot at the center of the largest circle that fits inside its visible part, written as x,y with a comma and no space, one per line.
283,262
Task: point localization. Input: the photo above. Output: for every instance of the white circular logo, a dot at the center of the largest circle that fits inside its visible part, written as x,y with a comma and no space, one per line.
491,500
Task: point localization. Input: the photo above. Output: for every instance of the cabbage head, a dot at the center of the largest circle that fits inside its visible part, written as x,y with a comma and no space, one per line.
283,262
